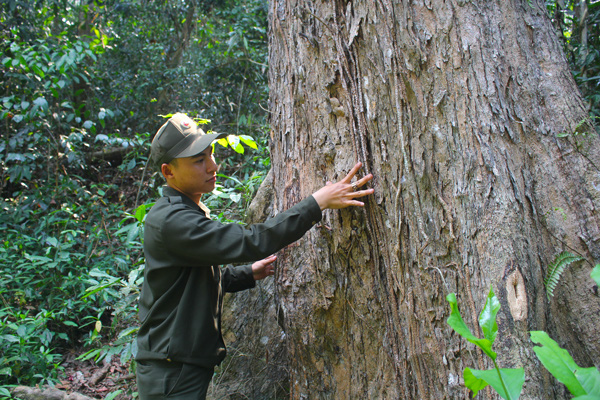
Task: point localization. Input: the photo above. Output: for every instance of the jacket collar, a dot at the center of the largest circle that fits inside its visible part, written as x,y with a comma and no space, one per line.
168,191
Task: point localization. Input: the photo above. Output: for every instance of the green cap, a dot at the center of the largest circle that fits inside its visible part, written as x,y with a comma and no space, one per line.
180,137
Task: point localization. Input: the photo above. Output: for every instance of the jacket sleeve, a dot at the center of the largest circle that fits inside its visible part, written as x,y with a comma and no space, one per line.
237,278
194,240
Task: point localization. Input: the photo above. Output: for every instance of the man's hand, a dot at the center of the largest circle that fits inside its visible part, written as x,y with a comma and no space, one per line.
343,193
263,268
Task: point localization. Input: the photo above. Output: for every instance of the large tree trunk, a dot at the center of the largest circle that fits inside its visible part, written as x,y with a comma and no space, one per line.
455,107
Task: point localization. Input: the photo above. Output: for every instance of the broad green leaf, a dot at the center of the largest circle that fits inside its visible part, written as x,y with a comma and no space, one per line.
22,331
473,383
223,142
41,102
558,361
112,395
128,331
234,142
596,274
4,391
38,71
235,197
52,241
487,318
457,323
249,141
10,338
513,380
590,380
140,213
95,289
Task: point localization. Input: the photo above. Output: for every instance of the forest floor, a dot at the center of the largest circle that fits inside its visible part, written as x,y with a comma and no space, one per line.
96,381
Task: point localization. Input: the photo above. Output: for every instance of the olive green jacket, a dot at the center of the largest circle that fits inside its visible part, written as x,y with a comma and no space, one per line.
182,294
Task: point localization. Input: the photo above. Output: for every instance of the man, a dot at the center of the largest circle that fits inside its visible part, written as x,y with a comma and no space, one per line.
180,340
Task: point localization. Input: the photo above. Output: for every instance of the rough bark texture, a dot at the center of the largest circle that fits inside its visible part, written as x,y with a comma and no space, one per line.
455,107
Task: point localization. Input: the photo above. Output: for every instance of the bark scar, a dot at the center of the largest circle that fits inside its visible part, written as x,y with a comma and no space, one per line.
516,295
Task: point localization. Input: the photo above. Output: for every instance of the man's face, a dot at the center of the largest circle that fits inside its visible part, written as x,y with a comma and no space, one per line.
193,176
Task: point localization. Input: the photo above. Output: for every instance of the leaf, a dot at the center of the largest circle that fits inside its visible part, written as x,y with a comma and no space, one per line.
234,142
487,318
555,270
513,378
457,323
596,274
10,338
473,383
235,197
249,141
557,361
41,102
22,331
89,354
52,241
223,142
590,380
129,331
140,213
112,395
38,71
97,288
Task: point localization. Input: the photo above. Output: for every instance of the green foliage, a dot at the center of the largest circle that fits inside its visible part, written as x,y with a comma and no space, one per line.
555,270
507,382
85,78
581,382
40,83
57,256
579,24
25,347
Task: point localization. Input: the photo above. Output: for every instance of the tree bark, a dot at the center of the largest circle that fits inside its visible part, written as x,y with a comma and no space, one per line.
455,107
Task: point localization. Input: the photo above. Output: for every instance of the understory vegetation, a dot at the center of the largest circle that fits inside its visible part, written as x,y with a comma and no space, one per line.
85,85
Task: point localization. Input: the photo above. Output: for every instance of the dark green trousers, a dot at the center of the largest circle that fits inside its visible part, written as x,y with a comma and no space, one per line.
159,380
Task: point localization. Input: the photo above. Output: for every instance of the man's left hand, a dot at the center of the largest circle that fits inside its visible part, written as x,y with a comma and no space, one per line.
263,268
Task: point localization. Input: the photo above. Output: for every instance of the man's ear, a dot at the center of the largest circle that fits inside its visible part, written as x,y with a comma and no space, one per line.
167,170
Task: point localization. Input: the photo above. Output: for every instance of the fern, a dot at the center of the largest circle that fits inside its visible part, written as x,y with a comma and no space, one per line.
561,262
